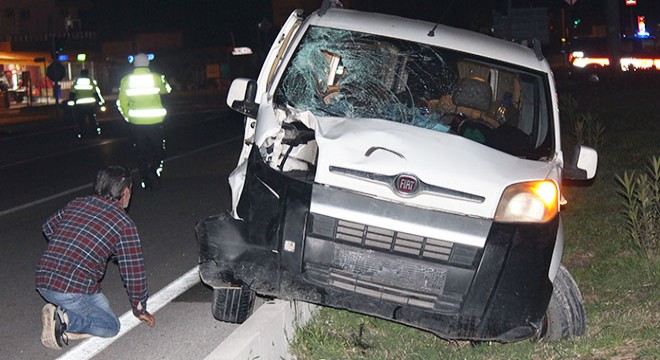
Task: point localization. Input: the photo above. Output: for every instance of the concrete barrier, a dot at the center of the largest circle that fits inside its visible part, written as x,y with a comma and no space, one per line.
266,334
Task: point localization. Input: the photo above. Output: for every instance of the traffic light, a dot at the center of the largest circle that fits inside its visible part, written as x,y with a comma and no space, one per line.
60,45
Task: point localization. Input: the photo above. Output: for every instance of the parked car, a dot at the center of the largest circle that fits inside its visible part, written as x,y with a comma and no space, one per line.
401,169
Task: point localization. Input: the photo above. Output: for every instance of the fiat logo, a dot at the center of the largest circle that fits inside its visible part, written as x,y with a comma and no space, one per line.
406,184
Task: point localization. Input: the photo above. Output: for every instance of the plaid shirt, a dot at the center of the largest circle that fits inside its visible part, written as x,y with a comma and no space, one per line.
82,237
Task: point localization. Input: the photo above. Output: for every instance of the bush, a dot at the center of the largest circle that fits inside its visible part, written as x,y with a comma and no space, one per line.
568,105
589,130
641,200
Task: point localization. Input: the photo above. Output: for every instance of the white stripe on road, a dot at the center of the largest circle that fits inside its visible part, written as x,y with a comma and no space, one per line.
43,200
89,185
20,162
90,347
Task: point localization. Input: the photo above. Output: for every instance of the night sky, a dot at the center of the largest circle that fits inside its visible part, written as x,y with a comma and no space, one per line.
223,22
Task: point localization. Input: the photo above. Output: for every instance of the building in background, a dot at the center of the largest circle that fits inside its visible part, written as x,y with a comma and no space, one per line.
36,33
196,42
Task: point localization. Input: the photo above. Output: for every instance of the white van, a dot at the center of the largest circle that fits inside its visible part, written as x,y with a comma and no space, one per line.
401,169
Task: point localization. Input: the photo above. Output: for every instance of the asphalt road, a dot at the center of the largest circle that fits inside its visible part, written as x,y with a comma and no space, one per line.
43,166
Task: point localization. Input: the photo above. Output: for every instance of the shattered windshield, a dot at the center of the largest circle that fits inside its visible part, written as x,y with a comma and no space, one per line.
357,75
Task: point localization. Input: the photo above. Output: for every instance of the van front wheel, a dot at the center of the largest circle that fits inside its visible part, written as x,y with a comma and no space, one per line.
565,316
232,304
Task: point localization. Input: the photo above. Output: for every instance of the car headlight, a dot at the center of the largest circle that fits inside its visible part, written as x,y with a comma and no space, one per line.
534,201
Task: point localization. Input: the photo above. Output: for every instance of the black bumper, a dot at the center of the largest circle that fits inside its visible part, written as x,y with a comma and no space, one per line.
499,292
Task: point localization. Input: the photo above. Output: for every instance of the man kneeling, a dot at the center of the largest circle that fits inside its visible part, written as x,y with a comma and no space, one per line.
82,237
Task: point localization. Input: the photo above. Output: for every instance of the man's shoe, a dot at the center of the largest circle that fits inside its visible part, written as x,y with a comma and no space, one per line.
48,330
61,319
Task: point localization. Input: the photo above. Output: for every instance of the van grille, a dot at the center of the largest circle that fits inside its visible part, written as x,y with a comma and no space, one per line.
381,276
383,263
384,239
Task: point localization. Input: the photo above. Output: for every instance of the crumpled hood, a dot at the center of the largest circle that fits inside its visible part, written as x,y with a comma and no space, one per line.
455,174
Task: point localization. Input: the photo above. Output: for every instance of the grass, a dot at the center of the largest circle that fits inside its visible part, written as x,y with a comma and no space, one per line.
619,285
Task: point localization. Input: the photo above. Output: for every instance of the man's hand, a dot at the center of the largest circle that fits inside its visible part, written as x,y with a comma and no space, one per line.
148,318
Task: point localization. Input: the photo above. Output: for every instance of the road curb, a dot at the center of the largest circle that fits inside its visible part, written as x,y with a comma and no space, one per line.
266,333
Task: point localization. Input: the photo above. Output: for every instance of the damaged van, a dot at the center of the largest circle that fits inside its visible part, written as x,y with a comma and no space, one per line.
400,169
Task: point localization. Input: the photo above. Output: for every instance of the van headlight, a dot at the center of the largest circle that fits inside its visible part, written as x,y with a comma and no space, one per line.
534,201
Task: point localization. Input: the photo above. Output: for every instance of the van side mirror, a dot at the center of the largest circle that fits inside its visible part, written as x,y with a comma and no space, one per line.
241,97
583,164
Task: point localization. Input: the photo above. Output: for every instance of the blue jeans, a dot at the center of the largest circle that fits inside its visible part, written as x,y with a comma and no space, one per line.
88,314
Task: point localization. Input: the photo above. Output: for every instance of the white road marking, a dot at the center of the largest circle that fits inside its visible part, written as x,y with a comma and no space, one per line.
92,346
46,199
104,142
89,185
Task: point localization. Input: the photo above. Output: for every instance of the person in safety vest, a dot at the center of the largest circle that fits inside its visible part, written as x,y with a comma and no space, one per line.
84,99
139,102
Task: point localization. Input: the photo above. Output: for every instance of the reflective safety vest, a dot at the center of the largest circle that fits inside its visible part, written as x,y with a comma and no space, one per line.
85,91
139,97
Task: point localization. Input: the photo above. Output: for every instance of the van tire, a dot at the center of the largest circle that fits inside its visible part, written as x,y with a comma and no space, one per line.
565,316
232,304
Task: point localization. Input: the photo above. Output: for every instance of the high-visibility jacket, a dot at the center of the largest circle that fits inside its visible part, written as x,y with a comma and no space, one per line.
85,91
139,97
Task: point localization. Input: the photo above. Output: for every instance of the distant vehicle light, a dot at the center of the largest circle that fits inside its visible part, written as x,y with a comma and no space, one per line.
631,64
62,57
578,54
81,57
578,60
241,51
582,62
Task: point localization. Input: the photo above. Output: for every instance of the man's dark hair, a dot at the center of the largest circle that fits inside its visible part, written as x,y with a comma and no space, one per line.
111,182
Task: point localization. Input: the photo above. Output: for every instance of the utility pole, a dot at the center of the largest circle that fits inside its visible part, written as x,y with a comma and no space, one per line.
613,33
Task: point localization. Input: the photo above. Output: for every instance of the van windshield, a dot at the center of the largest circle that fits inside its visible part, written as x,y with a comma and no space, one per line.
350,74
